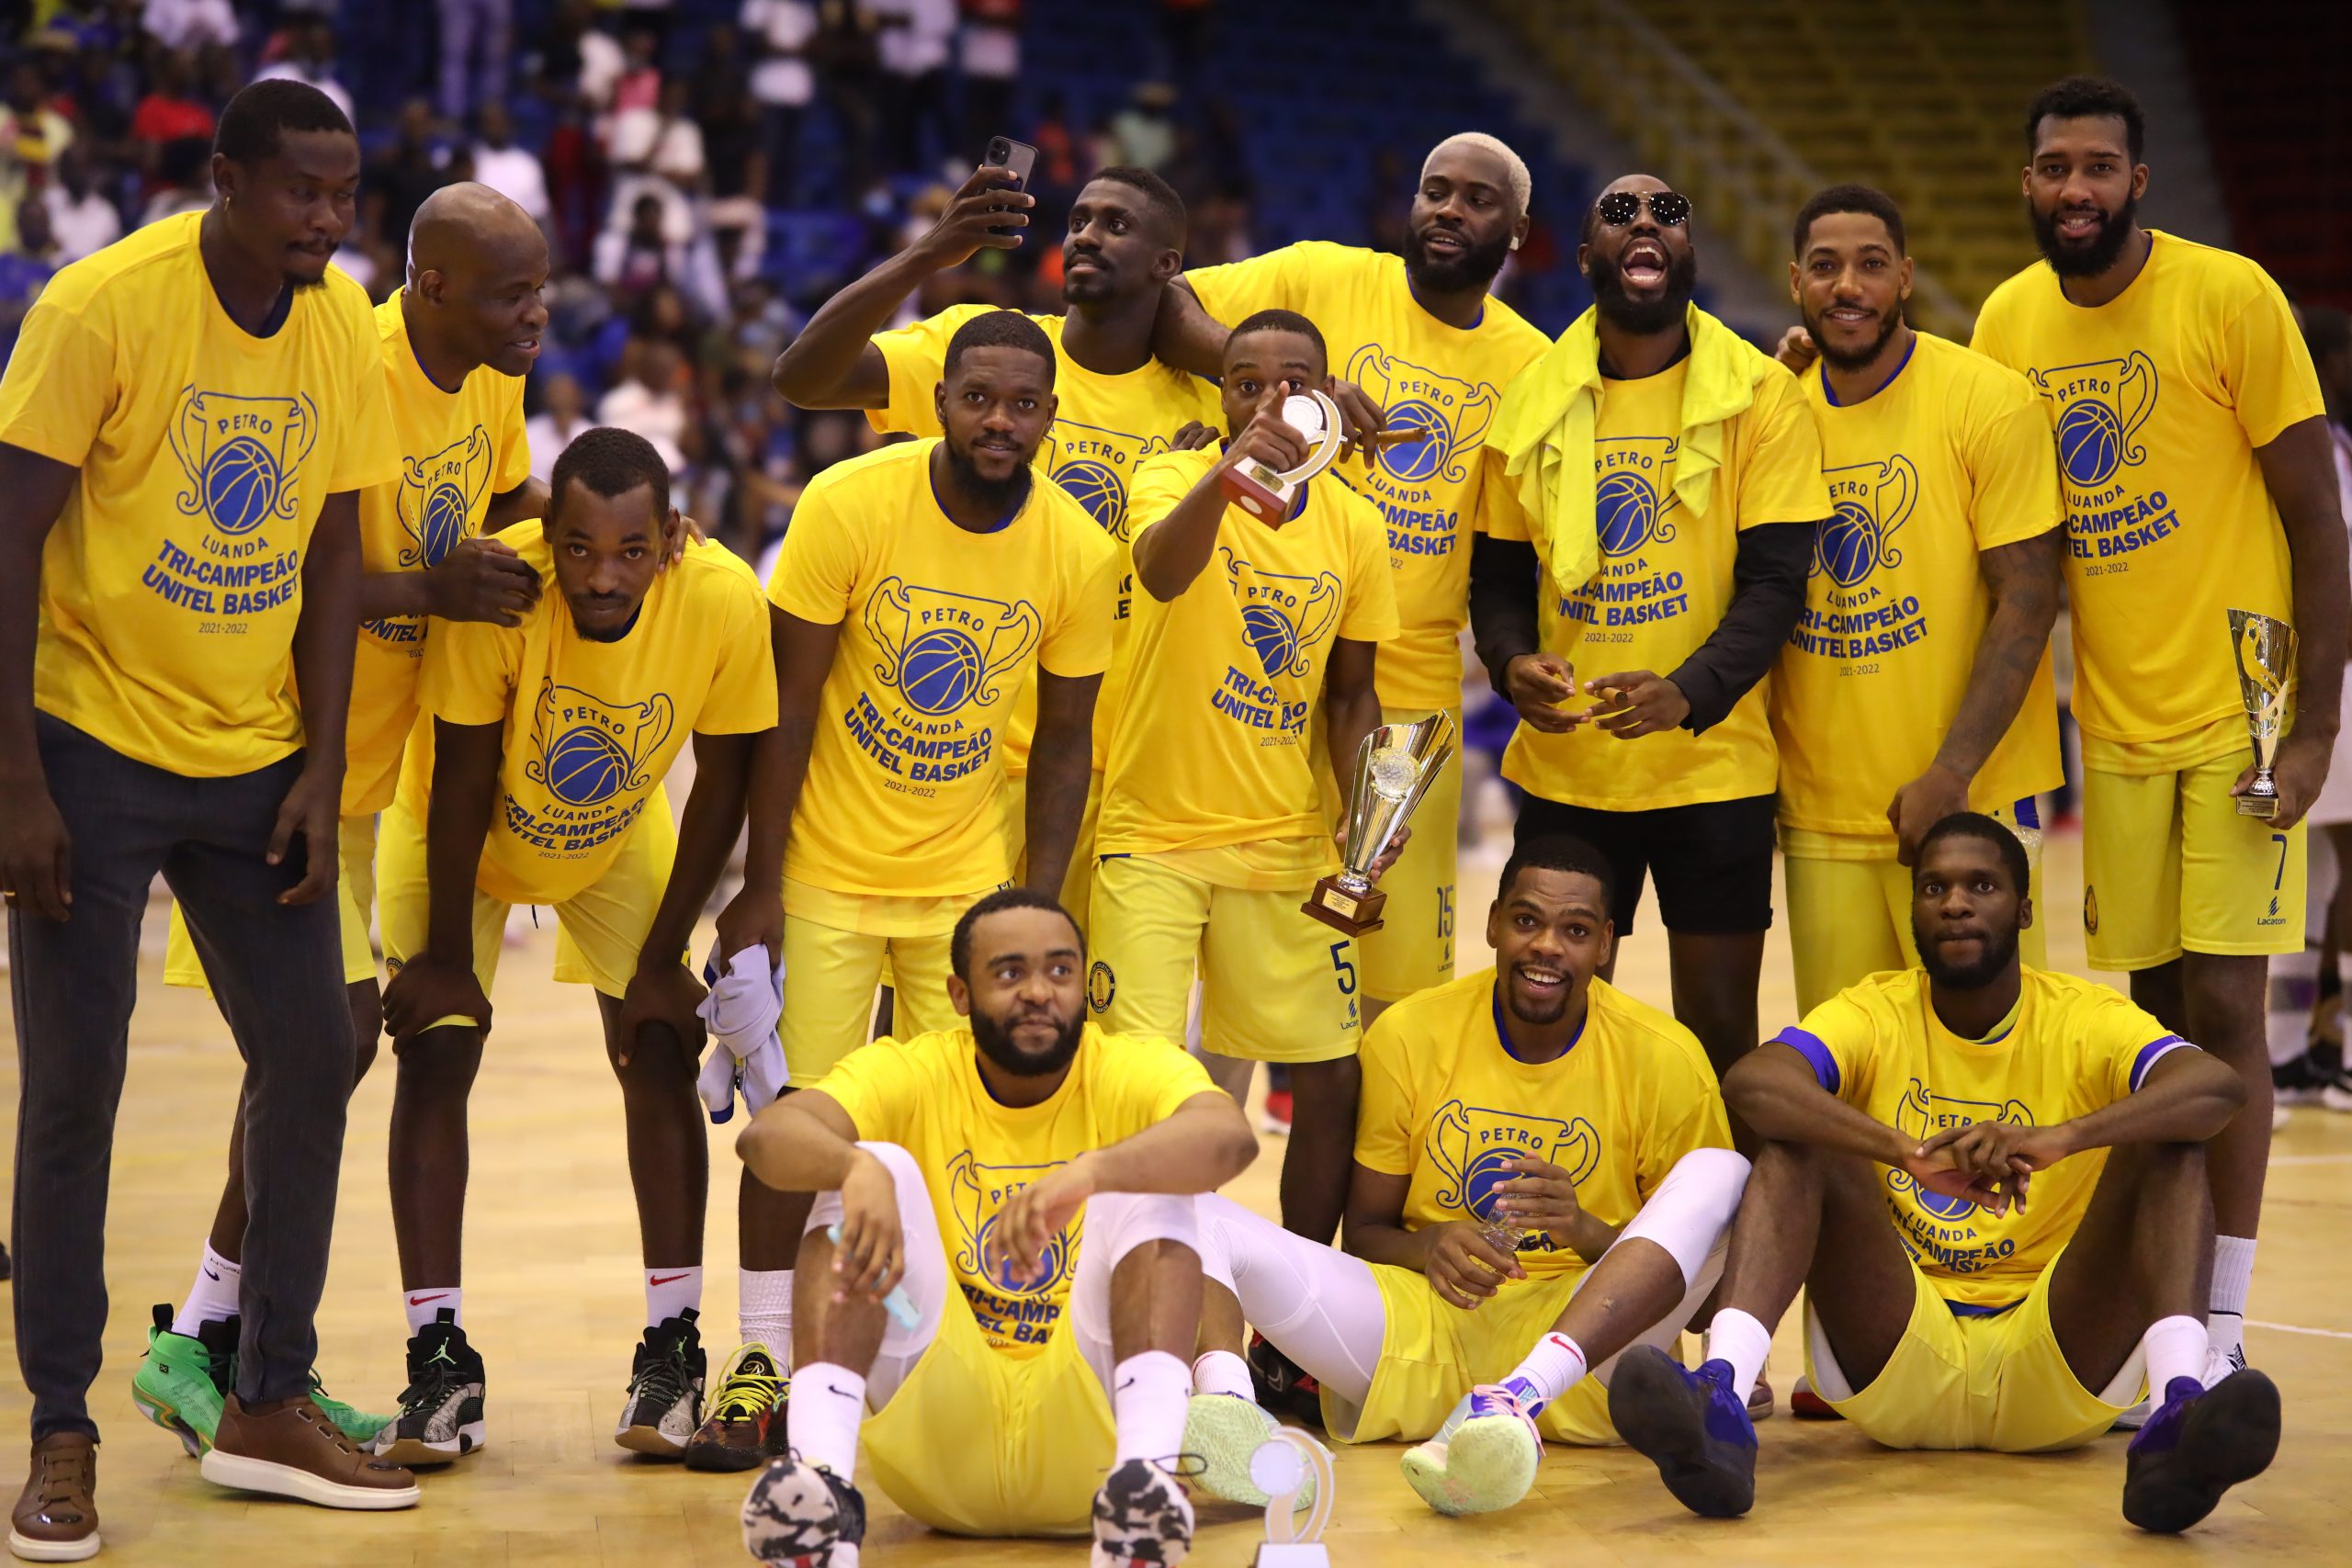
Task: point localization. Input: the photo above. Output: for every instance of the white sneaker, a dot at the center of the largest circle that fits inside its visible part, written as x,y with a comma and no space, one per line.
2337,1097
2217,1367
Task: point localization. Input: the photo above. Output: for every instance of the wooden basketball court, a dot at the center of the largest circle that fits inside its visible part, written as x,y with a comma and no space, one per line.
554,1305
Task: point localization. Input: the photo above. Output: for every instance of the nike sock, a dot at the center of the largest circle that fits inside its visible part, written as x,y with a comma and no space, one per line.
669,1291
422,1305
763,1311
1149,1393
822,1421
2177,1349
1741,1339
1555,1365
213,1297
1222,1371
2233,1273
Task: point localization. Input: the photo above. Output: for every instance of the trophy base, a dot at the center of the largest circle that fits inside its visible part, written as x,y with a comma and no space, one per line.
1291,1554
2258,806
1267,504
1350,913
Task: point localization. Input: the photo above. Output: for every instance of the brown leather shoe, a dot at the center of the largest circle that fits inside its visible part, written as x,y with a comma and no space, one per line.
293,1451
57,1515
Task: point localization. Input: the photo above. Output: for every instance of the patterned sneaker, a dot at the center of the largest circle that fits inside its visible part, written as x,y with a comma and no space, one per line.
441,1408
1141,1517
796,1513
181,1380
1226,1430
664,1389
745,1427
2200,1442
1690,1425
1485,1463
1283,1386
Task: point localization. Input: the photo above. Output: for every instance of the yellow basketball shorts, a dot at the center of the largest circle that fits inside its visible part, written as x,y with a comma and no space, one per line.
836,949
2169,865
600,929
1849,911
1413,950
1276,984
1999,1383
1434,1352
1078,881
355,892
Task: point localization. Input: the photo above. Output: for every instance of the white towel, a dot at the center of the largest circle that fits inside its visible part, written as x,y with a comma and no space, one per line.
741,1009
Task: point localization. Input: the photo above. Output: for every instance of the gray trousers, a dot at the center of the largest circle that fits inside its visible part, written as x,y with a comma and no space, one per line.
278,974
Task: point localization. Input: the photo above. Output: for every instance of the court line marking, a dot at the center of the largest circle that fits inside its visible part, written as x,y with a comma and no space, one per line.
2310,1159
2299,1328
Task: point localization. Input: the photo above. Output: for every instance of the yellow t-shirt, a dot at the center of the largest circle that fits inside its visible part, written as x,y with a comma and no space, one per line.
457,450
2161,397
1104,426
1446,1103
925,1095
1951,459
591,727
1213,747
940,628
171,585
1446,380
2074,1047
1663,583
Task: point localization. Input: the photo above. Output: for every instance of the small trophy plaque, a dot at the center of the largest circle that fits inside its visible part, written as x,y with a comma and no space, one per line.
1286,1466
1266,494
1395,767
2265,649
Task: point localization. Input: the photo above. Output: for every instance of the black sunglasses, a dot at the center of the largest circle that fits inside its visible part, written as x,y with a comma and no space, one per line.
1618,208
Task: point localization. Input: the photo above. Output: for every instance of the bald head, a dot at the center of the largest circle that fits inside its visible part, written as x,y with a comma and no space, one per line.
476,266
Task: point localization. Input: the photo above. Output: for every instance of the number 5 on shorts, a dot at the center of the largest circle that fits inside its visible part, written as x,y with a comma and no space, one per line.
1345,967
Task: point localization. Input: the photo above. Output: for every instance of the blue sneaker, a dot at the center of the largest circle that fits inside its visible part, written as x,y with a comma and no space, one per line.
2197,1445
1691,1426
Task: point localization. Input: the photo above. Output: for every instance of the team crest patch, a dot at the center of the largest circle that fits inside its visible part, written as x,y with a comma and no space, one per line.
2090,909
1101,987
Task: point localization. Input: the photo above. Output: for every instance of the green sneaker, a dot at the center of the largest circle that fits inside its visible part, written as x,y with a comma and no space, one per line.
355,1424
180,1382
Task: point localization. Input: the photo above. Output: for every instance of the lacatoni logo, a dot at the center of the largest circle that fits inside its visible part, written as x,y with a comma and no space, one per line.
587,751
437,497
942,650
1019,1310
1474,1146
241,458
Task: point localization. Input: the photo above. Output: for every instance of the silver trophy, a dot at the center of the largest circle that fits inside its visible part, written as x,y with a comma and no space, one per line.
1395,767
1295,1472
2265,649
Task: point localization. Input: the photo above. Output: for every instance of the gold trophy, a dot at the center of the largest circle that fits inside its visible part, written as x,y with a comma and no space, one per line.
2265,648
1395,767
1266,494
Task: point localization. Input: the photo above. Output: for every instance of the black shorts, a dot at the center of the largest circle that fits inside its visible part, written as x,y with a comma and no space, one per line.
1713,860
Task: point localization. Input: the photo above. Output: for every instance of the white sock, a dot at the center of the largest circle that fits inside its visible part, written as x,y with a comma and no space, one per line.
1149,1393
425,1303
1222,1371
2176,1348
763,1311
213,1297
822,1421
669,1291
1555,1365
1741,1339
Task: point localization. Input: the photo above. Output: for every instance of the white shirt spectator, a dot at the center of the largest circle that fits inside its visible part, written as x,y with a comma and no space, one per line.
81,227
656,157
601,64
782,75
190,24
296,70
548,438
915,34
660,417
515,173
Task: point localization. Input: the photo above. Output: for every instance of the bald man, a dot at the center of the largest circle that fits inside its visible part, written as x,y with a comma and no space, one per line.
1423,351
455,342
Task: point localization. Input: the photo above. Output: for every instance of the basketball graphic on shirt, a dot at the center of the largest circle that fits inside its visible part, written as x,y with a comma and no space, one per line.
1869,503
440,496
1422,456
1284,614
239,486
939,671
1450,414
585,766
1473,1145
1273,637
2090,441
1625,508
977,1196
946,651
2102,404
586,752
999,1270
1097,488
1850,543
445,522
241,458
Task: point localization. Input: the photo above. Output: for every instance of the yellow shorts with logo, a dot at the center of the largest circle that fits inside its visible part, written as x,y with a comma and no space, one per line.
1434,1352
1078,881
355,892
977,1442
838,948
1999,1383
2169,867
600,929
1276,984
1413,950
1849,910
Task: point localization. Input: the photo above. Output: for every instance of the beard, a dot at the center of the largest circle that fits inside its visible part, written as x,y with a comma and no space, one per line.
1854,359
1518,1008
1643,318
1474,267
1004,495
996,1042
2084,261
613,635
2001,952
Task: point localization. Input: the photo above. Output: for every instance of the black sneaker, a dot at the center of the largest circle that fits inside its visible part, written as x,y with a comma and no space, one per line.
1283,1386
440,1418
2298,1082
664,1389
2199,1443
797,1512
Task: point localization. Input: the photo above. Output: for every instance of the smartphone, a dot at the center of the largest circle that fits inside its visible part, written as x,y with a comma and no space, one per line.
1018,156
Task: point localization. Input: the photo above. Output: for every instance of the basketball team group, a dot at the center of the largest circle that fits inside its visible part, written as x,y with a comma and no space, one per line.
1056,727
